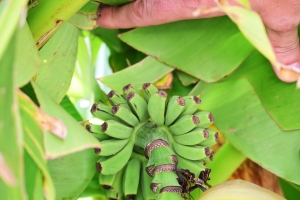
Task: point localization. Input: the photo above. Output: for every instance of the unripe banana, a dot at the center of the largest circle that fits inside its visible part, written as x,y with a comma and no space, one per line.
156,107
191,152
237,190
116,129
213,138
125,114
145,183
206,119
117,190
102,111
106,181
174,109
193,137
138,106
148,90
129,88
184,124
116,99
96,130
115,163
112,194
191,105
194,166
112,146
131,178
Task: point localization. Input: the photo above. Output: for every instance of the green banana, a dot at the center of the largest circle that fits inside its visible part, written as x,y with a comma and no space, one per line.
106,181
116,99
193,137
138,106
97,132
174,108
211,140
191,105
115,163
194,166
129,88
145,183
125,114
148,90
156,107
112,146
117,191
206,119
116,129
184,124
191,152
102,111
139,195
112,194
131,178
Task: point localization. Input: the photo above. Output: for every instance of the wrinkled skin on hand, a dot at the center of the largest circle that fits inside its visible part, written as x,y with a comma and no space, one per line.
281,19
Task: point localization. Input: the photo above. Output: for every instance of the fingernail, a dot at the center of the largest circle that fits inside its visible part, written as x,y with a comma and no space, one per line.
294,66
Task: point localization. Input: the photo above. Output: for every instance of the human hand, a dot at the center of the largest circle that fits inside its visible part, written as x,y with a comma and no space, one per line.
280,17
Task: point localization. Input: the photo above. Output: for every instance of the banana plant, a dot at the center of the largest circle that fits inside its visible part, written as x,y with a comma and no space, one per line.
149,143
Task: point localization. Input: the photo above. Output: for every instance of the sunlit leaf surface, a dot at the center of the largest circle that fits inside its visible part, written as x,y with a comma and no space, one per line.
33,142
280,99
208,49
185,78
27,56
244,121
72,173
58,61
11,150
148,70
77,138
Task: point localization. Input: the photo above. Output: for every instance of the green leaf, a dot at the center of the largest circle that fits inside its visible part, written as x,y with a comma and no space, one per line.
11,150
185,78
86,18
33,141
177,87
27,56
9,19
77,138
203,48
290,192
58,61
72,173
280,99
148,70
110,37
70,108
241,117
94,189
46,17
251,25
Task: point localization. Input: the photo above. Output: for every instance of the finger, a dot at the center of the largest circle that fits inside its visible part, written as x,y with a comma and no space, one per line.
151,12
287,50
281,20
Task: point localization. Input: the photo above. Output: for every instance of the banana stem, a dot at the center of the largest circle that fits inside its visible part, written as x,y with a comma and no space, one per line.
46,17
225,162
162,162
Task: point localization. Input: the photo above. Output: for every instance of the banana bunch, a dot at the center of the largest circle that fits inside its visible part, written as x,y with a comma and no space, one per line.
153,147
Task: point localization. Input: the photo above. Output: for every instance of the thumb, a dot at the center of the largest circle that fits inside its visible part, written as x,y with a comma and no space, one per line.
287,50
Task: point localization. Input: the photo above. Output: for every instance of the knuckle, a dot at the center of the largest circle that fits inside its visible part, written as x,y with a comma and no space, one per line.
141,9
